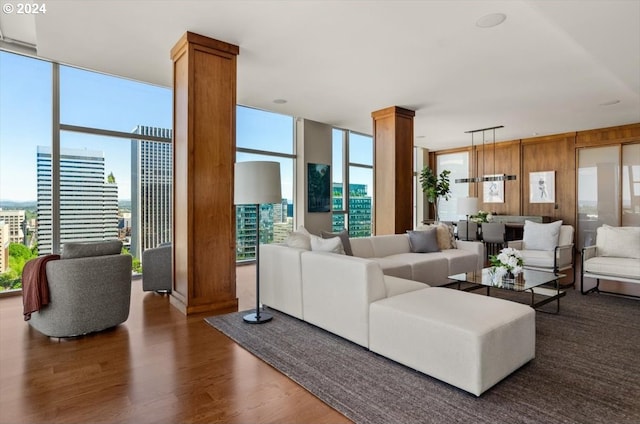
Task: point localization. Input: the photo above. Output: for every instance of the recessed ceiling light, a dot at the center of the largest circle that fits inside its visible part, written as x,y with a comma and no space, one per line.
491,20
279,101
610,103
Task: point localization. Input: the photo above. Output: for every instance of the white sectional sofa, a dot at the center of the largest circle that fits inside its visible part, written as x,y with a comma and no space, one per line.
467,340
280,280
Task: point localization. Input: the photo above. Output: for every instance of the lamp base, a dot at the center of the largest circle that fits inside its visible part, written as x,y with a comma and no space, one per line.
253,318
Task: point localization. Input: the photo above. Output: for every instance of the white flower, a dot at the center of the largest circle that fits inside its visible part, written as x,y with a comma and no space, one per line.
509,259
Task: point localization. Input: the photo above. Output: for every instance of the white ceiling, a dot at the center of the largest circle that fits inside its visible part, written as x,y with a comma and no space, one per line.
547,69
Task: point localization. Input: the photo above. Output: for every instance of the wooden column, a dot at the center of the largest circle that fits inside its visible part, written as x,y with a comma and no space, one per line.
204,143
393,162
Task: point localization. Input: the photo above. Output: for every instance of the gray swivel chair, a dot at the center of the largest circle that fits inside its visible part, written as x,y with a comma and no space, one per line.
89,290
156,269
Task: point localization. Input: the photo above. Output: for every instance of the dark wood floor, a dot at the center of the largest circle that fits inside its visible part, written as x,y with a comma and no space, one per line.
158,367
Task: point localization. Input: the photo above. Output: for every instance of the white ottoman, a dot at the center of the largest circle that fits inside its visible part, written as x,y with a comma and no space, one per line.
468,340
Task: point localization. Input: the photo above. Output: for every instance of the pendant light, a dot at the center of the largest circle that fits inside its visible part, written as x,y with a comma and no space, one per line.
478,179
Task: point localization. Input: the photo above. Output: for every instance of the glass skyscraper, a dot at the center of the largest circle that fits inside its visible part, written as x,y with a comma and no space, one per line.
88,198
151,190
359,210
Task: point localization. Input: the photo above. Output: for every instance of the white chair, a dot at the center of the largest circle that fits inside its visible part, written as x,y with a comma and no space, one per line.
547,247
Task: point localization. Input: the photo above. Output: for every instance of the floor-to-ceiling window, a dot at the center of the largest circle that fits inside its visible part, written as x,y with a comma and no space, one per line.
265,136
25,124
608,189
458,164
352,175
108,138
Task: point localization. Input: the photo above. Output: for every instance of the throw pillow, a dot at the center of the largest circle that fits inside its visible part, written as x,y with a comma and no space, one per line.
541,236
621,242
333,245
83,250
303,230
344,237
424,241
445,236
298,240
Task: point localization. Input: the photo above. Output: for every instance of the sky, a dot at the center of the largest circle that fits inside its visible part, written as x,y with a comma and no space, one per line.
96,100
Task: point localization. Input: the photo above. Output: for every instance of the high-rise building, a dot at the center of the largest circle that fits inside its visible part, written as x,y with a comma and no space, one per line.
359,210
15,220
88,199
151,190
274,227
4,246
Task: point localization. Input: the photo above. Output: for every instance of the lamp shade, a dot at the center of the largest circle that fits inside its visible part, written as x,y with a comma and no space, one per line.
467,205
257,182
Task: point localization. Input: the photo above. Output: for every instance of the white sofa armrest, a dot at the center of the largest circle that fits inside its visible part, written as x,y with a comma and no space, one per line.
337,291
564,256
475,247
281,278
589,252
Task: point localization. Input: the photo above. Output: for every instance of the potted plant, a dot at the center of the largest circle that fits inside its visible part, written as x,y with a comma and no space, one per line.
435,187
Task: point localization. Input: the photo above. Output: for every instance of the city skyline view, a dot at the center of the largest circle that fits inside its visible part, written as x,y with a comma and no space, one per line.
94,100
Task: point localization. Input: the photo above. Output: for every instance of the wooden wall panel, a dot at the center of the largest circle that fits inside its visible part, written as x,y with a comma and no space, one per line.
507,162
554,153
601,136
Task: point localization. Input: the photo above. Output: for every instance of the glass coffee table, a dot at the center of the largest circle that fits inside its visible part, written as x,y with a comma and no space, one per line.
529,280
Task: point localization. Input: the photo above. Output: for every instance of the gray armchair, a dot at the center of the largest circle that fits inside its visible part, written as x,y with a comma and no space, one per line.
89,290
156,269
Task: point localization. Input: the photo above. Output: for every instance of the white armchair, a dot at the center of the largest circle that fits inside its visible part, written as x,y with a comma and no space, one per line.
547,247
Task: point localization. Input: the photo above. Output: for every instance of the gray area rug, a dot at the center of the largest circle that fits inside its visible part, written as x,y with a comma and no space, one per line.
586,370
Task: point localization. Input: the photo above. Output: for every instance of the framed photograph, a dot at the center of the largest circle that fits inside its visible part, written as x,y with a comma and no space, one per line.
542,187
318,187
493,191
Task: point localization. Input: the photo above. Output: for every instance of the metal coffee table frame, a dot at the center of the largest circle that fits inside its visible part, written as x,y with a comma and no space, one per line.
529,280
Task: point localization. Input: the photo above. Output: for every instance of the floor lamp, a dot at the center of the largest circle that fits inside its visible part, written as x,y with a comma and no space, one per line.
467,206
257,182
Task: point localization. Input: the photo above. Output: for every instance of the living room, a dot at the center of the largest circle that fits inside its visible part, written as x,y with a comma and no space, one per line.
556,148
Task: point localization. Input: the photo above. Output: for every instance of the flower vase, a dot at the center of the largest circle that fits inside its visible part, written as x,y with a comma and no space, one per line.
509,278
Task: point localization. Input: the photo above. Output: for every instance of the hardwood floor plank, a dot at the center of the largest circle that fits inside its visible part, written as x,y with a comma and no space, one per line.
157,367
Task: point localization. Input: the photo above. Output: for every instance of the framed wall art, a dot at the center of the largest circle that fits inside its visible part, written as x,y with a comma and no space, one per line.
542,187
493,191
318,187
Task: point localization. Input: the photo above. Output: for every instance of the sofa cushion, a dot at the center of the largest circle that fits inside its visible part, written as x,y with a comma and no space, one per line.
83,250
541,236
362,247
394,267
445,235
460,260
621,242
390,244
333,245
344,237
432,268
424,241
615,267
299,240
